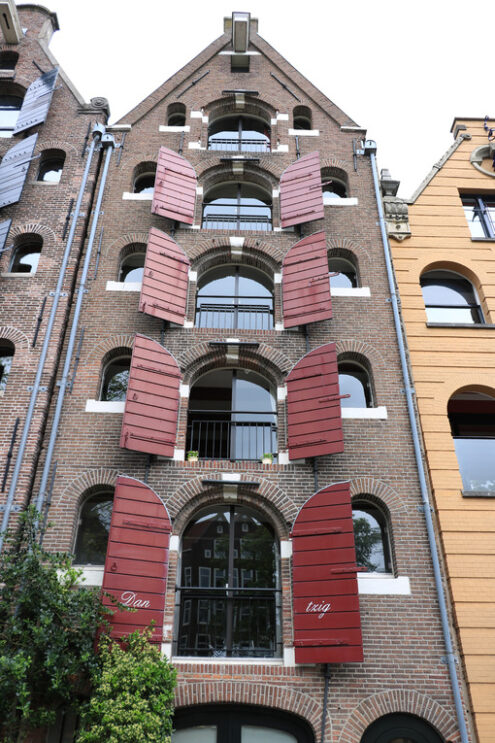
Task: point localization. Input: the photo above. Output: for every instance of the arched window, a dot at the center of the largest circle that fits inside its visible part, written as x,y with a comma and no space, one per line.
143,181
400,728
234,297
10,105
472,422
371,536
237,206
51,166
239,133
8,61
334,183
232,415
450,298
132,267
346,273
26,255
302,118
115,379
93,529
229,585
354,381
7,350
176,114
239,724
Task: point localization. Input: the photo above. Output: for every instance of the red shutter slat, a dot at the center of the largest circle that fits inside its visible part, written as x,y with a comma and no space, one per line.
313,405
175,187
305,282
301,198
327,622
165,279
137,558
152,400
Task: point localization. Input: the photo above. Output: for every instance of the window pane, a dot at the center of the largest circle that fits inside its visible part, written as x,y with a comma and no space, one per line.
254,734
346,277
442,287
116,379
350,385
476,457
94,526
25,260
473,217
369,541
5,365
199,734
457,315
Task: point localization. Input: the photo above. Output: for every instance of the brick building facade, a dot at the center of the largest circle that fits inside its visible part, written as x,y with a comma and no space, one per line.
220,295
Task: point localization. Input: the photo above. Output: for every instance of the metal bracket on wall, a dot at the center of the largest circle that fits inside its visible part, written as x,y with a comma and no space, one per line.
14,509
60,294
41,389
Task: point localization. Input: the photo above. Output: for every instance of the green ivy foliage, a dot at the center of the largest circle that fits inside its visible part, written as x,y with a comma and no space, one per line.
132,694
47,628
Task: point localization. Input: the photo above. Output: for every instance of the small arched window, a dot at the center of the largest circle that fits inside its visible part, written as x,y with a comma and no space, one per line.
176,114
51,166
229,592
7,350
132,267
115,379
302,118
400,728
93,529
8,61
472,423
345,273
450,298
334,183
235,297
143,181
26,255
10,105
354,381
237,206
371,537
239,133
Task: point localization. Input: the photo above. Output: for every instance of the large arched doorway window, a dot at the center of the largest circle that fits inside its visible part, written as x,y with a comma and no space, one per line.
450,298
239,134
232,415
229,592
400,728
237,206
472,422
231,723
235,297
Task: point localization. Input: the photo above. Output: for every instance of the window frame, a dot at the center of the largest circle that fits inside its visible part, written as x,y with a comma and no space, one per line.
26,245
237,216
105,494
482,212
364,503
250,146
6,346
104,382
474,307
360,370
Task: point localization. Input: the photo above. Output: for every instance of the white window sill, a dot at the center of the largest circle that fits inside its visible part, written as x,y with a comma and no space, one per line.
304,132
162,128
379,413
330,201
178,659
127,196
380,584
123,286
105,406
92,575
355,291
14,275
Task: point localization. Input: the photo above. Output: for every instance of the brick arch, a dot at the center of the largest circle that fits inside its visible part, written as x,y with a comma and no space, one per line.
193,494
351,247
35,228
143,157
224,106
479,379
280,697
201,358
78,487
333,162
351,346
394,701
267,172
18,338
383,492
108,344
58,144
273,252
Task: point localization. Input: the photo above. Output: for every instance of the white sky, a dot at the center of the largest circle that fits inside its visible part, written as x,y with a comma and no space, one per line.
401,69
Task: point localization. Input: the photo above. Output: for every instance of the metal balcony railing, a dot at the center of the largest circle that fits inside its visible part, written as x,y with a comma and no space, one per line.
235,316
239,145
217,435
239,221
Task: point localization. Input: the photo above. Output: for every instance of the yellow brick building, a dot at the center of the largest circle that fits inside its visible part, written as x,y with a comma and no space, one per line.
445,268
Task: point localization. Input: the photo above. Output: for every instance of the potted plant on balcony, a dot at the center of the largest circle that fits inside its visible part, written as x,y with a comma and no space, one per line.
192,456
267,458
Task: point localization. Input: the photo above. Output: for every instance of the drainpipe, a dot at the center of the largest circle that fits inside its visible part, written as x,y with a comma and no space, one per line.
108,143
370,149
326,673
97,132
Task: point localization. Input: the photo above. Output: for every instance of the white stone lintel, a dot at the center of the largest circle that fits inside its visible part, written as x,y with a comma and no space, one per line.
281,148
305,132
283,457
279,326
105,406
330,201
196,114
289,657
231,476
188,324
353,291
163,128
379,413
128,196
275,193
193,275
285,548
195,146
240,54
123,286
237,242
184,390
277,278
92,575
282,392
174,543
179,455
199,190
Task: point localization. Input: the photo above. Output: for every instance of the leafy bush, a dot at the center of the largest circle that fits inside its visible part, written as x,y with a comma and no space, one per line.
132,694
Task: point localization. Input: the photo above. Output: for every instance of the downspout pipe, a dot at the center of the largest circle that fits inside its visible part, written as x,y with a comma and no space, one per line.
97,132
370,149
107,142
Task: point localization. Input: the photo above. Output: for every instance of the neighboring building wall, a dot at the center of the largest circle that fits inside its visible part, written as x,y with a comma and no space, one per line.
453,354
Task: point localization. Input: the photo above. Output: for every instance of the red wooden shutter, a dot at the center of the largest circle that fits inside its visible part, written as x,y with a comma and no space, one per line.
165,279
137,558
152,401
313,405
305,282
175,187
301,198
327,622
